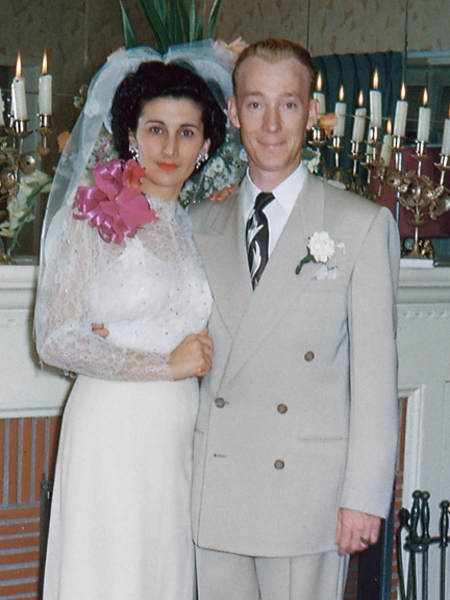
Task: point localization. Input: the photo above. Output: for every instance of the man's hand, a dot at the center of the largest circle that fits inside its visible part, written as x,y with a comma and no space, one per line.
356,531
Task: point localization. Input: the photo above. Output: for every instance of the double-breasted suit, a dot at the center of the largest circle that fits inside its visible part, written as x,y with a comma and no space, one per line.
299,414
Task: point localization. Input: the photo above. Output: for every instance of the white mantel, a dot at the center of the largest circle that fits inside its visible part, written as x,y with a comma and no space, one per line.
28,389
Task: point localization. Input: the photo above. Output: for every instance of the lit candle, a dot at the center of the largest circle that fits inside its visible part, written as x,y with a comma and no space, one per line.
320,96
401,113
2,108
19,102
45,89
446,140
386,148
375,103
423,128
340,109
359,124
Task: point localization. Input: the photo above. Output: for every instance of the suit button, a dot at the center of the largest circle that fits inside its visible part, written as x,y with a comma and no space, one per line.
220,402
282,408
309,356
279,464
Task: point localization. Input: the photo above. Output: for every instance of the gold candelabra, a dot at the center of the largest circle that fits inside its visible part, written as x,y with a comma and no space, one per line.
415,191
14,162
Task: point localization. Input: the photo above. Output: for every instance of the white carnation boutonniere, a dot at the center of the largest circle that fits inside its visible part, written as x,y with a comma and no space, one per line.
320,249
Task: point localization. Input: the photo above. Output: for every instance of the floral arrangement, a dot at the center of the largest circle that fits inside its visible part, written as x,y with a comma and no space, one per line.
320,249
311,158
115,205
20,200
225,169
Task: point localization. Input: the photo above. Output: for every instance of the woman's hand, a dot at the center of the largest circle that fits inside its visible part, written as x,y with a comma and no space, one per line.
220,195
99,329
193,356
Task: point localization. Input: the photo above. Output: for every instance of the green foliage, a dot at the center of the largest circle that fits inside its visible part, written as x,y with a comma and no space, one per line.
130,40
31,201
172,22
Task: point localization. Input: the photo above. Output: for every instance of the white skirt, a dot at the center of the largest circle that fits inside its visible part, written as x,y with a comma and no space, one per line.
120,520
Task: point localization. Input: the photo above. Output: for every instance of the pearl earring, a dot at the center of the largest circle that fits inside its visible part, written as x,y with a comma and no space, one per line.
201,158
133,150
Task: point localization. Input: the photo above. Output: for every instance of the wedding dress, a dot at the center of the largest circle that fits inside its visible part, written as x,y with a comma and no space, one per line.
120,518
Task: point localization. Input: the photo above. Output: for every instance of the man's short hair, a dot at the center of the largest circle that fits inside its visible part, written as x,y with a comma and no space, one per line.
273,50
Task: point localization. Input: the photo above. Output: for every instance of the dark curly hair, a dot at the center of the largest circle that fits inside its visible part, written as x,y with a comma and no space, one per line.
155,80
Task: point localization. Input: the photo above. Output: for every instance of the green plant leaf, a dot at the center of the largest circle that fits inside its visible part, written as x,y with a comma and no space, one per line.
184,19
308,258
31,201
213,17
198,35
130,40
160,6
191,20
174,23
157,26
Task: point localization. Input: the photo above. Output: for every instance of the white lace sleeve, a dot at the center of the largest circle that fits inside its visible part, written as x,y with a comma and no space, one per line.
63,317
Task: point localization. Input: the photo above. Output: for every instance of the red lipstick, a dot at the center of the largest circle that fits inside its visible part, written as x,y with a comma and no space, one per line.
167,166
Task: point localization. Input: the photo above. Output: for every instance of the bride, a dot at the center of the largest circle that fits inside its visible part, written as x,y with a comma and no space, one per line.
123,303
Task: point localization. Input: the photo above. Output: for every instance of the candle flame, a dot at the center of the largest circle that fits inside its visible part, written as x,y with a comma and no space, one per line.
319,82
375,80
341,94
425,96
361,99
389,127
403,91
44,63
19,65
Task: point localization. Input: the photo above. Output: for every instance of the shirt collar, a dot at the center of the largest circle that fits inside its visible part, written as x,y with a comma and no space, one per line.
286,193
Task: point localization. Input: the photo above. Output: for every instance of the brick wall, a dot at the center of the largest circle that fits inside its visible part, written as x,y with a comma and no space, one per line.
28,448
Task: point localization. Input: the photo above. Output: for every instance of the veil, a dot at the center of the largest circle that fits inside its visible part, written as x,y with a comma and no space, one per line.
69,259
91,136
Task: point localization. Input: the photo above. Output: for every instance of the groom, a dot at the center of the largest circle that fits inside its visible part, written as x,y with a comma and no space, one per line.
297,431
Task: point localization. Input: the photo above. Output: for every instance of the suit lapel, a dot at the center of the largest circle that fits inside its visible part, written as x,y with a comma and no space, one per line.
279,284
224,256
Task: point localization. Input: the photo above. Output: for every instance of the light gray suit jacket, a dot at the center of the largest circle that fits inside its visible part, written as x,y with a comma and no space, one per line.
299,414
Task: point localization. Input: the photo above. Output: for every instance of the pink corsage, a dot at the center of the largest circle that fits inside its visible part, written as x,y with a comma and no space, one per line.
116,205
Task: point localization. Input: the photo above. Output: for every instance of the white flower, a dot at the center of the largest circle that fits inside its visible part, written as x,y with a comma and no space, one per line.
19,205
312,164
320,249
218,165
321,246
243,156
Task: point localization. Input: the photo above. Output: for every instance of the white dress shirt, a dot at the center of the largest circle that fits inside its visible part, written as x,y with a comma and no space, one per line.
279,210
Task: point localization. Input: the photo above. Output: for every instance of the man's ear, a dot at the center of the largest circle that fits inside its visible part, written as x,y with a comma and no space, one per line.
313,113
232,112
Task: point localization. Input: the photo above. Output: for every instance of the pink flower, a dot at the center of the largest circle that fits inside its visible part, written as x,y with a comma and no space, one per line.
116,206
133,173
238,45
328,123
229,52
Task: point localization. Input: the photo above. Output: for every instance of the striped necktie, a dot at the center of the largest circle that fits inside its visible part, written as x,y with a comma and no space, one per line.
257,235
